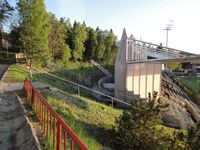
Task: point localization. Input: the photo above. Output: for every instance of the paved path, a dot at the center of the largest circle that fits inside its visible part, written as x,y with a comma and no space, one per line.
15,131
3,68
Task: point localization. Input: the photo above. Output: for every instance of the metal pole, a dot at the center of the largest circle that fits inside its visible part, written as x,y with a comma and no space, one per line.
112,102
78,90
167,39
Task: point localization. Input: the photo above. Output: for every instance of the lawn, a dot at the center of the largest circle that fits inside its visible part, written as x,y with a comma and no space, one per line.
191,83
16,73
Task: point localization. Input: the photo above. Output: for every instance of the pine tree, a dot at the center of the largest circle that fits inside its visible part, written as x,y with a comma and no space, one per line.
100,49
90,45
136,128
34,30
79,36
109,40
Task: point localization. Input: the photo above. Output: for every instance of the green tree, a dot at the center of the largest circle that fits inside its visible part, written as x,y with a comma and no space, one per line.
136,128
193,138
90,45
34,30
14,39
100,49
57,38
66,55
79,36
5,11
109,39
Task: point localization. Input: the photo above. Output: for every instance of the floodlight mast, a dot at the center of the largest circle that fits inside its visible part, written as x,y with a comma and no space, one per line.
168,28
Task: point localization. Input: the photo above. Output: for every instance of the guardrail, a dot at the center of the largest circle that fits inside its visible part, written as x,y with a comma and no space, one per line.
57,132
85,89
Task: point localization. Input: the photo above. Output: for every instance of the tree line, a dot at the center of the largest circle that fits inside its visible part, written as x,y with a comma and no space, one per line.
43,37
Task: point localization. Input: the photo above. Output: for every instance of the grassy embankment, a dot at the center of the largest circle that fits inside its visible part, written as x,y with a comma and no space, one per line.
192,84
89,119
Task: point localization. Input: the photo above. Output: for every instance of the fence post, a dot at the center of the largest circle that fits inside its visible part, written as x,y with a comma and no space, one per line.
78,90
59,136
112,102
33,97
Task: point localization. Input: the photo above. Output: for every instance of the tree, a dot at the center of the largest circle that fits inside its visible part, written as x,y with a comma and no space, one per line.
108,44
79,36
90,45
186,65
193,138
34,30
57,38
136,128
14,39
5,11
66,55
100,49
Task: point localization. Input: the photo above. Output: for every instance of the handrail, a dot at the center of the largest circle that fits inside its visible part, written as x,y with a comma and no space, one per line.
84,87
55,129
89,89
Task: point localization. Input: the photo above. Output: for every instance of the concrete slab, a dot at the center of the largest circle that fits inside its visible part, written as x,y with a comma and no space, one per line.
15,131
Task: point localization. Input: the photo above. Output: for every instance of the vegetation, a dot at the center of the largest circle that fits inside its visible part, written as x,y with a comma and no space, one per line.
138,129
15,73
43,37
5,12
192,85
92,120
89,119
34,30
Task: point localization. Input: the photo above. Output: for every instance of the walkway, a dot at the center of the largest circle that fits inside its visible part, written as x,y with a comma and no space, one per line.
15,131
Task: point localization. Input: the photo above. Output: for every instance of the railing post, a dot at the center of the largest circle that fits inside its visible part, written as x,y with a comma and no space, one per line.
33,97
59,136
78,90
112,102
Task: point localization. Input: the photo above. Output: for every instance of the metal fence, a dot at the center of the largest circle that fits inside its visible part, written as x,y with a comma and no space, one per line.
59,135
7,57
81,90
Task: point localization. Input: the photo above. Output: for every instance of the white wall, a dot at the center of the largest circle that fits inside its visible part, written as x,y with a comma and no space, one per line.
143,78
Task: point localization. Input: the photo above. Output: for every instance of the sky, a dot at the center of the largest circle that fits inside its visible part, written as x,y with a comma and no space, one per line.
145,19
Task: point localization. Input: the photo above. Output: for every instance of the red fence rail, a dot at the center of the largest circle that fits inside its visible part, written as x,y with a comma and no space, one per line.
59,134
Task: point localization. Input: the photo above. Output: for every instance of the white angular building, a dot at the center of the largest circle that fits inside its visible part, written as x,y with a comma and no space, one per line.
139,65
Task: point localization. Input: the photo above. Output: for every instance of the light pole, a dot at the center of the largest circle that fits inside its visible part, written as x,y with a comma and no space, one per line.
168,28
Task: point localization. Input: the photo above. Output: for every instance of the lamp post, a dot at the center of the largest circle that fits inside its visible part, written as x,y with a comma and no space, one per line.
168,28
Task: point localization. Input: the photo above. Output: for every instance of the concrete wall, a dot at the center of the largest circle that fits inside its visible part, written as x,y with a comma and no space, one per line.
143,78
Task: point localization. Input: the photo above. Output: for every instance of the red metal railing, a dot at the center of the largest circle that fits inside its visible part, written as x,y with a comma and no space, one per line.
59,134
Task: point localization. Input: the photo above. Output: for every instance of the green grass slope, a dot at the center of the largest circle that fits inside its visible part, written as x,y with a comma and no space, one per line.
89,119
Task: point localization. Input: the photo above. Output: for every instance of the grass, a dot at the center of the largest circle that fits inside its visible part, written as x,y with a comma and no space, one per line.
89,119
16,73
191,84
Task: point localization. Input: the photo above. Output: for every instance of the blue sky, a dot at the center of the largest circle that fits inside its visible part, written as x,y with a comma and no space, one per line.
145,19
